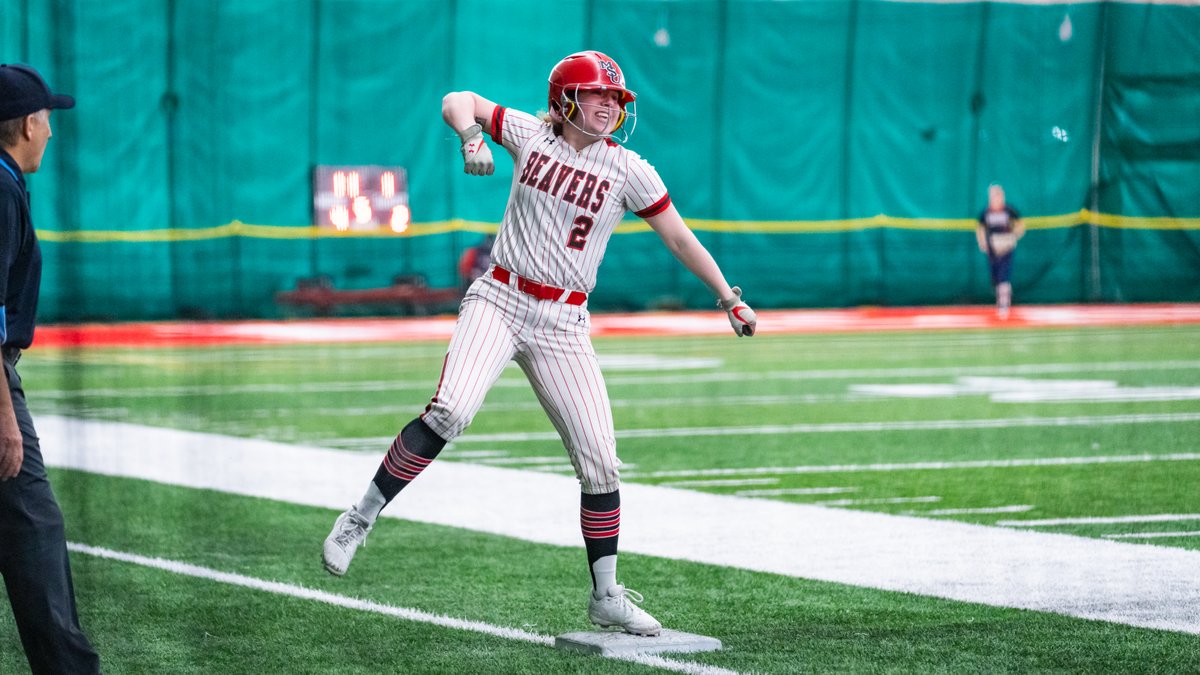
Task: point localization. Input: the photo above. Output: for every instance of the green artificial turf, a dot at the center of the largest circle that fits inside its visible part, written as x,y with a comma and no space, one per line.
358,396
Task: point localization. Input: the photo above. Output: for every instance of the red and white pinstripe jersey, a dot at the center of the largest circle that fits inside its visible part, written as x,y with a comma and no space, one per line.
564,204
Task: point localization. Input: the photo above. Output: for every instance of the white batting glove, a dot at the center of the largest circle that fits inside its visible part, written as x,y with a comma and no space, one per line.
477,156
741,317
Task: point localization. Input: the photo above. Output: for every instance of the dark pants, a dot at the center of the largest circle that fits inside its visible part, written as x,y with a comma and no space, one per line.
1001,268
33,560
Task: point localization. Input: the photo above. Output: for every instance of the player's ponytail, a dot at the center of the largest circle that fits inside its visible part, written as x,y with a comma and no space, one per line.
551,120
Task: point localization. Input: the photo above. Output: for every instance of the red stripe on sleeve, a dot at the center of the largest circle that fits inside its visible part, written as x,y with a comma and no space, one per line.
497,124
655,208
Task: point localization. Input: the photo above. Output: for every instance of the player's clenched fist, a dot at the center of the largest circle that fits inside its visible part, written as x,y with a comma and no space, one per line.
477,156
741,317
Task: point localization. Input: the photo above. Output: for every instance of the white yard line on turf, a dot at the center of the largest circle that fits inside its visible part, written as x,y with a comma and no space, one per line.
1092,578
1152,535
292,590
721,482
554,468
1015,508
556,459
320,408
1106,520
480,454
921,466
878,500
779,492
850,427
691,401
621,380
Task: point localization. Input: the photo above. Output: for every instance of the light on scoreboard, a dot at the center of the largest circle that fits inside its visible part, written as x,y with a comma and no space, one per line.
368,197
400,219
339,217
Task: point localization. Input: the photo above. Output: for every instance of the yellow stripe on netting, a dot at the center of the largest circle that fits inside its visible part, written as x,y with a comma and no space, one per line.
1081,217
812,226
240,229
1137,223
136,236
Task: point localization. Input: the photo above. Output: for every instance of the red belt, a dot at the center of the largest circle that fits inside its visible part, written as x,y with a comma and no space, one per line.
539,291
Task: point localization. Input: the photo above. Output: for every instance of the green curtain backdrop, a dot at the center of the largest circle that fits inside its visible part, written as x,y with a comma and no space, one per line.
830,153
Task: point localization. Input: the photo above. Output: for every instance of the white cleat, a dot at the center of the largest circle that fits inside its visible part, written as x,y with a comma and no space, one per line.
349,532
617,608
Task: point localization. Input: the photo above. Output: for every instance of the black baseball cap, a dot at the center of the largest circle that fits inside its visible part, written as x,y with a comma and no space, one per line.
23,91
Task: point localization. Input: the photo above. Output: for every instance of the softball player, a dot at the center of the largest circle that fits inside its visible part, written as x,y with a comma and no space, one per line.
999,229
571,185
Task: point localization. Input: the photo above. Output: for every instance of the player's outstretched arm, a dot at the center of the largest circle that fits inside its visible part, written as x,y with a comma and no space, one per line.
470,116
682,243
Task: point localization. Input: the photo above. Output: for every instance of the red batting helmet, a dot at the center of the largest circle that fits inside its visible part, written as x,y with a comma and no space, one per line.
587,71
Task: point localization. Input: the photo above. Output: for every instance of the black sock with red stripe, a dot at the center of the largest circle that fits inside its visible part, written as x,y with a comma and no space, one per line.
600,520
414,448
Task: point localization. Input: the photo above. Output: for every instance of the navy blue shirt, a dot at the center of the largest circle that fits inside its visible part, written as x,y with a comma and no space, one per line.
20,258
999,222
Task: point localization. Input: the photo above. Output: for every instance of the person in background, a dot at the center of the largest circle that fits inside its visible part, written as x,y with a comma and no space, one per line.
475,262
999,229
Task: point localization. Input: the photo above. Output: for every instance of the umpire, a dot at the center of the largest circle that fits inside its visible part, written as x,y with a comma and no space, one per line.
33,546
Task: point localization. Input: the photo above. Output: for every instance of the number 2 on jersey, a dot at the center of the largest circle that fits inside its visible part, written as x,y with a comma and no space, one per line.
578,238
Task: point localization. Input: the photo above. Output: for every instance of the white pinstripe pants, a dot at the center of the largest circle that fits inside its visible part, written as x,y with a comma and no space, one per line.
551,342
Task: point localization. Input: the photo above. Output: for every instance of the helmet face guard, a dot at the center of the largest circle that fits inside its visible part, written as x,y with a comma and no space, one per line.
590,71
569,105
